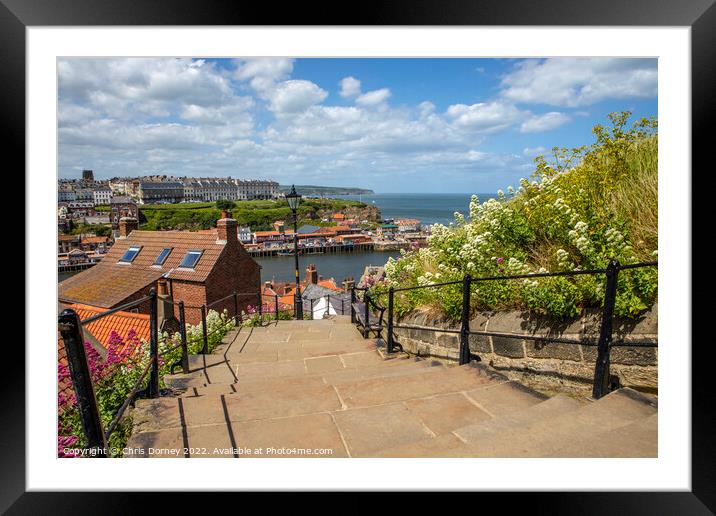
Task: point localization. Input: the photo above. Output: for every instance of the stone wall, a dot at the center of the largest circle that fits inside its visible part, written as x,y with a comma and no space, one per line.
544,365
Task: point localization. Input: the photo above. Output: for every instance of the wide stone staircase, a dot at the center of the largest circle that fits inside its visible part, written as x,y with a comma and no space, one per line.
318,389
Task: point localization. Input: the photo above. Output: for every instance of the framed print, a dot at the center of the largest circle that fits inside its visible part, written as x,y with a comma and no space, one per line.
422,242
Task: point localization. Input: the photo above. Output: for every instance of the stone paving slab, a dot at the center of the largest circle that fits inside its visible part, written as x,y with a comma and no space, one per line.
220,373
286,402
553,407
635,440
504,398
385,390
156,414
287,368
168,443
367,430
544,437
442,414
209,441
442,446
299,436
323,364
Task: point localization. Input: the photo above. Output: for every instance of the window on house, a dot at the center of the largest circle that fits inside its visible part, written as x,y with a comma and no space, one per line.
130,254
190,259
163,256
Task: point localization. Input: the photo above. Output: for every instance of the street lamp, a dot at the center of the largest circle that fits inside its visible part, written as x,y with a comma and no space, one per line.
294,200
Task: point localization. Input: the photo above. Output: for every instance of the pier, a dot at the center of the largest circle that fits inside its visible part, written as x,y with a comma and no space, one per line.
314,249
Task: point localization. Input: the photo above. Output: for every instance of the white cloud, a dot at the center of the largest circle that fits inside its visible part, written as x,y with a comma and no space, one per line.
295,96
485,116
533,151
373,98
546,122
267,67
573,82
350,87
426,108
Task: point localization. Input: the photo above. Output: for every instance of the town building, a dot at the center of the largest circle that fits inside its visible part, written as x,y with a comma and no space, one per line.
121,206
101,195
85,195
201,268
252,189
66,193
387,231
408,225
245,235
160,192
88,176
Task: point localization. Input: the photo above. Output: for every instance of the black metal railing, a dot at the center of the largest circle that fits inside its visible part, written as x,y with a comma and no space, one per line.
71,331
332,305
602,381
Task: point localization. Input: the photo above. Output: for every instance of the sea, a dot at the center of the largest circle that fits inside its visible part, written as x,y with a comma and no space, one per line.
426,207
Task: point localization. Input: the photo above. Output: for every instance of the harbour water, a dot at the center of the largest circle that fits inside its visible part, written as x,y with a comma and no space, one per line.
336,266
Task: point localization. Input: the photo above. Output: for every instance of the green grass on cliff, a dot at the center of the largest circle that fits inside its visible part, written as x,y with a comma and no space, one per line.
259,215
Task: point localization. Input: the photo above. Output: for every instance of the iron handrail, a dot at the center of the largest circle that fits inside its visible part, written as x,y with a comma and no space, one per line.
602,379
527,276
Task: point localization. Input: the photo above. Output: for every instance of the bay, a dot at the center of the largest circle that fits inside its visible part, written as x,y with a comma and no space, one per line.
428,208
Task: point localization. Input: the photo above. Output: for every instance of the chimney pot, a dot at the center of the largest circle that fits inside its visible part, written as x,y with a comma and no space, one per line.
312,274
126,226
227,229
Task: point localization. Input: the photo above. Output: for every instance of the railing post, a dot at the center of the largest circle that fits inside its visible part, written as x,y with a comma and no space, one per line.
343,308
366,301
205,347
261,308
311,308
153,345
601,367
236,308
328,304
276,307
389,344
71,330
353,300
182,331
465,322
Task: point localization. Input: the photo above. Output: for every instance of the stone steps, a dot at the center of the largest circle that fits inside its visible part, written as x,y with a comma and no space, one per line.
316,388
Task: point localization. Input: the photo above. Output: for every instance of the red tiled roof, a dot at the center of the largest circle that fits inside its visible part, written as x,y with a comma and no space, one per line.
330,284
95,240
101,329
110,282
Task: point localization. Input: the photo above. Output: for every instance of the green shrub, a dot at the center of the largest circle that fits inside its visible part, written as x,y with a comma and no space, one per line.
582,208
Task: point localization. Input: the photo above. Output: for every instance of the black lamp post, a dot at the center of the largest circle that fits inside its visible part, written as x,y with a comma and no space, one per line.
294,200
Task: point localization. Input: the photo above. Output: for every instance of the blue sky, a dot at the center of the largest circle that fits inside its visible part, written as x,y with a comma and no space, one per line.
392,125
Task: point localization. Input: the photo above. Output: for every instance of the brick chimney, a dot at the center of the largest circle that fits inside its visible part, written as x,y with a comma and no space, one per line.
227,229
126,226
165,307
311,274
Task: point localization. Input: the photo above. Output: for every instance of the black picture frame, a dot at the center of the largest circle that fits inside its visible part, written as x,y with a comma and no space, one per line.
700,15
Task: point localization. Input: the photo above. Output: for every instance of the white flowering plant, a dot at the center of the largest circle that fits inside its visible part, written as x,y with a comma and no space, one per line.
581,209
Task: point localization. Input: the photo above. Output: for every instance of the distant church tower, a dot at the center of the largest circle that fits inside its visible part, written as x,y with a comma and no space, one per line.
88,176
